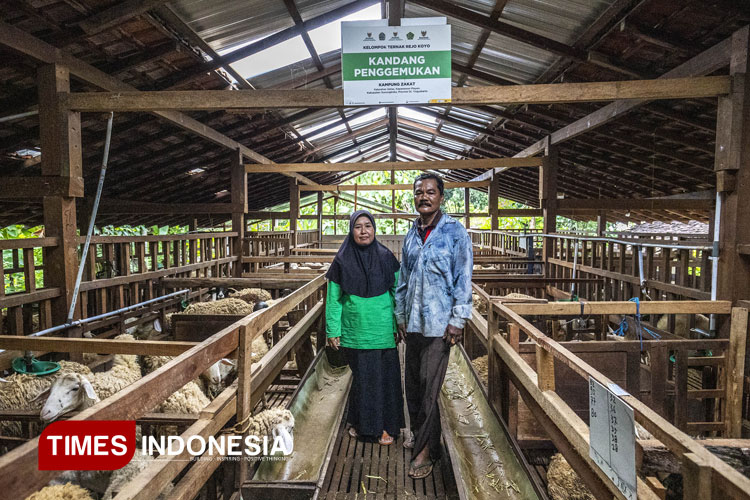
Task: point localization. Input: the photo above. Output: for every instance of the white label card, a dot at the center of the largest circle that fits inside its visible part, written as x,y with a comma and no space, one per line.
612,437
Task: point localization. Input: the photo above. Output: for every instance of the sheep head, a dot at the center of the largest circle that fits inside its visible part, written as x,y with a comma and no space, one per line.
218,374
70,392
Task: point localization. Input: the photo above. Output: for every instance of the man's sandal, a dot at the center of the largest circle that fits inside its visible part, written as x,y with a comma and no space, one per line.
385,439
421,471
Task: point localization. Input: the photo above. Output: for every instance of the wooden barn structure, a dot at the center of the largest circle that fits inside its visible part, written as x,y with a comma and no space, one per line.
605,110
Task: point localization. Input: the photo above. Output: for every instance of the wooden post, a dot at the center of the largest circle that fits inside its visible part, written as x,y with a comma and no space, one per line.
494,195
467,208
320,219
60,138
601,224
239,203
548,197
244,391
736,372
732,166
293,209
545,369
696,478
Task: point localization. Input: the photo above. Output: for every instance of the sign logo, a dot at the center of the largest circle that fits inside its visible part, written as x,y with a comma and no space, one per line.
381,36
424,35
395,37
410,36
87,445
369,38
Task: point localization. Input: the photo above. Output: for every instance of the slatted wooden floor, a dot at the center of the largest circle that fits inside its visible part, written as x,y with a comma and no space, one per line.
358,468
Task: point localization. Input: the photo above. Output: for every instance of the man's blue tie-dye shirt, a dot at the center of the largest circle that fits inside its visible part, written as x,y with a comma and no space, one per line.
434,285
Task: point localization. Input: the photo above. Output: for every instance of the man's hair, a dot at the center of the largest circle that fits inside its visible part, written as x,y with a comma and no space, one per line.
428,175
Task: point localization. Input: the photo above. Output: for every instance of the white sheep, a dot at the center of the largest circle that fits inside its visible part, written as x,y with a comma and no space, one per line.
21,391
61,492
77,391
275,422
218,376
187,399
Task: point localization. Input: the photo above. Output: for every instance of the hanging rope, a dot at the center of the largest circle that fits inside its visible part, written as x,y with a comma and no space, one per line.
623,328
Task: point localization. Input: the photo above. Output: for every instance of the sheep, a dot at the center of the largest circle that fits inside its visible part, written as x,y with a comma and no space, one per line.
563,483
224,306
78,391
252,295
479,303
187,399
217,377
682,324
21,391
276,422
480,366
122,477
61,492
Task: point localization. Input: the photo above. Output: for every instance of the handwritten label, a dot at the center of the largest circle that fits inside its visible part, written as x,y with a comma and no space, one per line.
612,436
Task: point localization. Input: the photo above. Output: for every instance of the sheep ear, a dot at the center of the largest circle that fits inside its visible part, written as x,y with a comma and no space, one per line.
157,325
90,392
226,361
42,395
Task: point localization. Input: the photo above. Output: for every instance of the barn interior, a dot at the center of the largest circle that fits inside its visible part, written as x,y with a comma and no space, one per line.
615,130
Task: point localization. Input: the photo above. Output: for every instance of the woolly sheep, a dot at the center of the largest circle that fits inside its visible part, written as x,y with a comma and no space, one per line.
76,391
187,399
563,483
252,295
61,492
122,477
273,422
21,391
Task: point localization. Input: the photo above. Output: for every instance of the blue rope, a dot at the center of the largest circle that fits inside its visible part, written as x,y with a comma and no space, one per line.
639,326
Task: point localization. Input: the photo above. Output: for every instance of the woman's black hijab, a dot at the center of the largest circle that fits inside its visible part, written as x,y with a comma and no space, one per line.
365,271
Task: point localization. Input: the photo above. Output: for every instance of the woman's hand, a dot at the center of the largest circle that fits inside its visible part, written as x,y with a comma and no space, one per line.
334,343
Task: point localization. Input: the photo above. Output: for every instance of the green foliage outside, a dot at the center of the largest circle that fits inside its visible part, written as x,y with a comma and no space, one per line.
15,281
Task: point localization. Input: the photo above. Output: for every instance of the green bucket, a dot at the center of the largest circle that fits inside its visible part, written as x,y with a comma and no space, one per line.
38,368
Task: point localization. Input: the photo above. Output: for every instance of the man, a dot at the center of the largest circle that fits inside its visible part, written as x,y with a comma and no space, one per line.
433,302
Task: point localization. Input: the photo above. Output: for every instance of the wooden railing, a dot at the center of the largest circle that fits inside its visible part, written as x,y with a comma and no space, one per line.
520,243
19,474
702,471
119,271
667,273
25,308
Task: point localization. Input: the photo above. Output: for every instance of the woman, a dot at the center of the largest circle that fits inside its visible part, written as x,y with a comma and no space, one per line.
360,321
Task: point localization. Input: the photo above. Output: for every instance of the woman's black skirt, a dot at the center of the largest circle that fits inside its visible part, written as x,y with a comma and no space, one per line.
375,400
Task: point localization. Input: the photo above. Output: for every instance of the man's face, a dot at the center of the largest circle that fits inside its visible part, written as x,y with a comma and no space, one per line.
364,232
427,197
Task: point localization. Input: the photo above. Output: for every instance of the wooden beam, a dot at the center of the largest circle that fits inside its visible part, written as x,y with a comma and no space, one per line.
635,204
117,14
385,166
39,187
211,100
258,281
114,206
386,187
625,307
98,346
19,41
